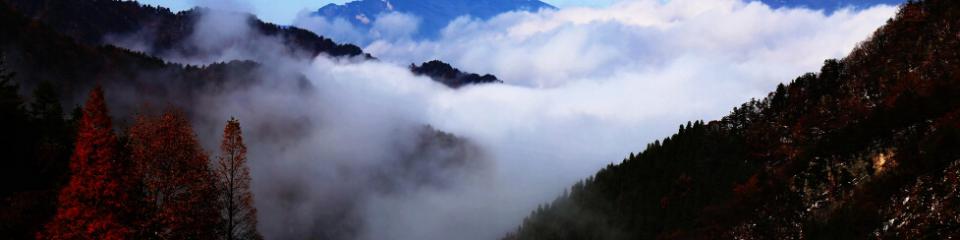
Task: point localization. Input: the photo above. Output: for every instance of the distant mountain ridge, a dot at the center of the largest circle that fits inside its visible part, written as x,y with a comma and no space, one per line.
167,33
830,5
93,22
434,14
450,76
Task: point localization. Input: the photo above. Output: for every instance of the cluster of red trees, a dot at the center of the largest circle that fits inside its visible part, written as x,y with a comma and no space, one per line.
155,183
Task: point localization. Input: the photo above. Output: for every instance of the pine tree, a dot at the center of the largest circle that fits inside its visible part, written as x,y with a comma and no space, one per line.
53,136
92,204
46,108
233,177
14,126
178,191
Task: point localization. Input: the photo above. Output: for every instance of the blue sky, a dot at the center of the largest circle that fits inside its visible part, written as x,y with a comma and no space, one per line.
284,11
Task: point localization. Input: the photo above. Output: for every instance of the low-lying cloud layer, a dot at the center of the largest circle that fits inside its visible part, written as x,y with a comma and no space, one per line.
583,88
586,86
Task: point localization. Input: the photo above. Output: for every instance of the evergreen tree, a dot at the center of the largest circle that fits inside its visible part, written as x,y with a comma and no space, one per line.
52,132
46,106
14,126
92,205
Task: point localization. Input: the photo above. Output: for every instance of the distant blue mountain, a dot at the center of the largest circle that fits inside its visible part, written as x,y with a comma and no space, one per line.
434,14
830,5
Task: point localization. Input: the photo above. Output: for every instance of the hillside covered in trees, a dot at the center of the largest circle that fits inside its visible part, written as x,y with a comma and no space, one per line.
67,167
37,53
866,148
97,22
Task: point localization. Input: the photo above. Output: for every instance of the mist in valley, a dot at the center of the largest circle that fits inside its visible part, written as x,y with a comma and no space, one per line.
356,148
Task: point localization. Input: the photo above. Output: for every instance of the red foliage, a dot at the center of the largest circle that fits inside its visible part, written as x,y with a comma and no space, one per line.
178,192
748,188
233,182
92,204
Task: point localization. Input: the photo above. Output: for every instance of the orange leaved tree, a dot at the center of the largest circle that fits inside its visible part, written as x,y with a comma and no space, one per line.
233,182
178,194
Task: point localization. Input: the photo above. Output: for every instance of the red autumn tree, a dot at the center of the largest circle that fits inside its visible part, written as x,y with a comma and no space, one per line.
178,190
93,203
233,181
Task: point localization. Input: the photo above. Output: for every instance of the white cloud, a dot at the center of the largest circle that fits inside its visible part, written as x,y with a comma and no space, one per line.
392,26
395,26
227,5
584,87
580,3
279,12
549,48
338,29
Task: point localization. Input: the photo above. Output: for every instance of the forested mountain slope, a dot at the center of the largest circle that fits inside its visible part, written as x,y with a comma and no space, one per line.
37,53
869,147
98,22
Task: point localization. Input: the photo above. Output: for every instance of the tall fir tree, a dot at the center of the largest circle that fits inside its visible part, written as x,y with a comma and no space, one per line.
233,181
93,203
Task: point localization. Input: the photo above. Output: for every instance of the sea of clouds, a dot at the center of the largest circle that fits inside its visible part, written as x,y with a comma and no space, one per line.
583,88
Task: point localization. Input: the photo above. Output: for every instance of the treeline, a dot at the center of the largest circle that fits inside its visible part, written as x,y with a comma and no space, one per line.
75,178
869,147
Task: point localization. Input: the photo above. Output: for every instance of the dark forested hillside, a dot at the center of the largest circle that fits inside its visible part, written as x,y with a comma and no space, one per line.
869,147
97,22
37,53
37,138
39,132
450,76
